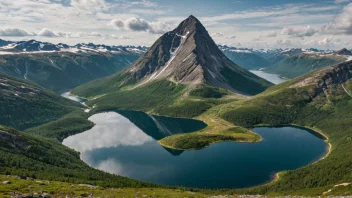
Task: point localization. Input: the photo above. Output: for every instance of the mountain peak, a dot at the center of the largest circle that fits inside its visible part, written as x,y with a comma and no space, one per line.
188,55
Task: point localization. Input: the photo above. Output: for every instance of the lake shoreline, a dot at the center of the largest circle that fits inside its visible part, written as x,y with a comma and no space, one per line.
316,131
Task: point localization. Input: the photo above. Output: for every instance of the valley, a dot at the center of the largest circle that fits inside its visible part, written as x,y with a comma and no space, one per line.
185,117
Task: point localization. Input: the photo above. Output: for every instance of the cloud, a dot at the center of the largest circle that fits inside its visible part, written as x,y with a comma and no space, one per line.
139,25
342,23
231,37
159,27
47,33
148,11
298,31
120,37
15,32
341,1
284,42
217,34
329,41
270,34
89,5
144,3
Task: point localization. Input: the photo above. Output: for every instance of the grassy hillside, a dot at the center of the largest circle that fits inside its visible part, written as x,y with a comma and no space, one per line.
301,64
317,101
24,105
61,71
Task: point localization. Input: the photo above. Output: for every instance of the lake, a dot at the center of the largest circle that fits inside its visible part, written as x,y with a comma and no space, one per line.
273,78
70,96
125,143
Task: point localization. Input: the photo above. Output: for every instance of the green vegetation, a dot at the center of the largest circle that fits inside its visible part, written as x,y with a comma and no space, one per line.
201,139
302,64
247,60
24,105
160,97
144,98
302,102
49,69
206,91
60,129
239,80
63,189
101,86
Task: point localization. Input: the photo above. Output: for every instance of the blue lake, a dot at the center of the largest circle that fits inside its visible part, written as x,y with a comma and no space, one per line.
125,143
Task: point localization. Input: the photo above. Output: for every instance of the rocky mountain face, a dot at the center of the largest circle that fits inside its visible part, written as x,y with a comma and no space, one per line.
328,77
188,55
344,51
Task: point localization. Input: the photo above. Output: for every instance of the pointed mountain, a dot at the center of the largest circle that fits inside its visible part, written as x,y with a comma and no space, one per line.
187,55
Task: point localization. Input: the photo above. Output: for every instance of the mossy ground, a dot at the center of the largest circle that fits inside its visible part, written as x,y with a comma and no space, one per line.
63,189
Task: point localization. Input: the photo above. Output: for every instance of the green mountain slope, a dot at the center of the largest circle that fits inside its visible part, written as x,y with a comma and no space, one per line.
247,60
322,101
24,105
301,64
61,71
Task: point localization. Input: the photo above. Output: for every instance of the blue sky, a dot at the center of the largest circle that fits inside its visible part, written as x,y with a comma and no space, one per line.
241,23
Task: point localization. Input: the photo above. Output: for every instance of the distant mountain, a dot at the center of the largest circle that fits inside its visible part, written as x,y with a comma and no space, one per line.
187,56
302,63
37,46
24,105
246,58
344,51
61,67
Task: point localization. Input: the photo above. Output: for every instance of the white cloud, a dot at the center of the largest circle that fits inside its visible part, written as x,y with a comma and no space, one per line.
89,5
270,34
231,37
148,11
217,34
136,24
120,37
299,31
159,27
15,32
341,1
341,23
47,33
144,3
284,42
139,25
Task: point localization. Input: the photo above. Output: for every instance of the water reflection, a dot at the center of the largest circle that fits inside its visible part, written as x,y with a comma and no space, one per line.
111,130
68,95
273,78
124,143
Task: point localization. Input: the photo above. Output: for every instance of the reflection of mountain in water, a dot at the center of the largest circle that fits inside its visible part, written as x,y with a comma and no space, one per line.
159,127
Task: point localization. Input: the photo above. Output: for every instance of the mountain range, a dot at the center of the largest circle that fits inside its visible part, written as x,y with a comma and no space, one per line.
61,67
183,74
